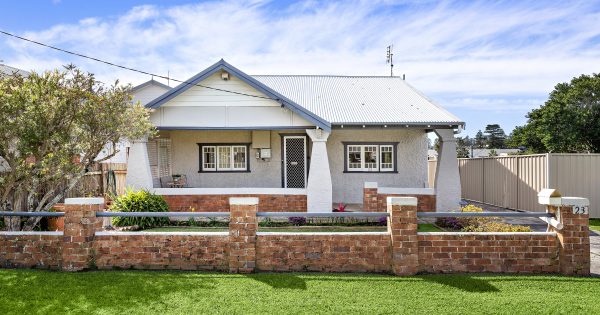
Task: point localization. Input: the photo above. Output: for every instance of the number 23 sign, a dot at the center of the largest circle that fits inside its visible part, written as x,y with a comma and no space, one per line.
580,209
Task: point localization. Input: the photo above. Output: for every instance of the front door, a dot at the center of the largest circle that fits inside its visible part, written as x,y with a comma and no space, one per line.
294,161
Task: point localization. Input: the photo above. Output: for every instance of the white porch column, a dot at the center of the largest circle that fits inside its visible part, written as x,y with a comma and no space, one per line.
319,191
139,175
447,178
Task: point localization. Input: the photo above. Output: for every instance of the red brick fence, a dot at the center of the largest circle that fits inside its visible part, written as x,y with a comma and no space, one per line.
375,198
401,250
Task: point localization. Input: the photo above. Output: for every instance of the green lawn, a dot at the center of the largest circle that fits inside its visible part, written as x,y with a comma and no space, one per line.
595,225
428,227
140,292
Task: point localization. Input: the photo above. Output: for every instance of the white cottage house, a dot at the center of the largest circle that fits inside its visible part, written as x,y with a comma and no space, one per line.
298,142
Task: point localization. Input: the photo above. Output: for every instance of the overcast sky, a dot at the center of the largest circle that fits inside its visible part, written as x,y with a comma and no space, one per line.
487,62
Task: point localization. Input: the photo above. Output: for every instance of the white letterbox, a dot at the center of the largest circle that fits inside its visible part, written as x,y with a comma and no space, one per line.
549,197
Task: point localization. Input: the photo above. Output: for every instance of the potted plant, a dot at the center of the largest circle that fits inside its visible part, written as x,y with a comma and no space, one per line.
57,223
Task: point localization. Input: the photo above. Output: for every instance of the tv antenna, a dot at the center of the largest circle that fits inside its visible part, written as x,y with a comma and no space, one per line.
390,59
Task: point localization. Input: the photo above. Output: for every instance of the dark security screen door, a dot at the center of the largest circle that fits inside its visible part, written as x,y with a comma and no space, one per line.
294,173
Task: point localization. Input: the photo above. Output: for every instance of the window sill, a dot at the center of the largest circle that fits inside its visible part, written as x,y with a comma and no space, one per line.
224,172
371,172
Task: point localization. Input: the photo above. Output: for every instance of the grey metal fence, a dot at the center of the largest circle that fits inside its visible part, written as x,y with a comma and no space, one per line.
514,181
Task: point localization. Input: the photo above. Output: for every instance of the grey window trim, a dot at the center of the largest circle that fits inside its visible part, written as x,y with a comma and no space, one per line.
378,144
201,166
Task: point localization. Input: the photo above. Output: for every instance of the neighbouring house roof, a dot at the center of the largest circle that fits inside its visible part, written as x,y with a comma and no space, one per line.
486,152
149,83
8,70
327,100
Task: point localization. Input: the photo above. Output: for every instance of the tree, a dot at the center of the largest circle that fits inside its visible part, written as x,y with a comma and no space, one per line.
524,137
462,147
569,121
54,125
495,136
480,140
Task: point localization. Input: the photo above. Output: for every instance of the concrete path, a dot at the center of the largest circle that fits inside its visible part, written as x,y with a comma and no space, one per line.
595,253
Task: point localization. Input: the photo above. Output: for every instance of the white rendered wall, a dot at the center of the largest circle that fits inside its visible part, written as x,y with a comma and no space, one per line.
319,186
411,159
139,175
347,187
185,159
447,177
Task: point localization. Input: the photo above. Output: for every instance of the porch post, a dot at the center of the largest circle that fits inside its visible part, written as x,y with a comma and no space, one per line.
447,178
139,175
319,191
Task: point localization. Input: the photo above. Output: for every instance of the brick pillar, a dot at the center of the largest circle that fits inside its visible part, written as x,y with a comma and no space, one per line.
370,202
574,237
80,226
402,226
242,234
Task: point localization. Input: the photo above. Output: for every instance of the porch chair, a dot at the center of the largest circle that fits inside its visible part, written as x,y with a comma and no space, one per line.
166,182
181,182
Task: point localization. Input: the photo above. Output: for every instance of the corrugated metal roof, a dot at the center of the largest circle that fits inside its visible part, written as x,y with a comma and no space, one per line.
8,70
359,100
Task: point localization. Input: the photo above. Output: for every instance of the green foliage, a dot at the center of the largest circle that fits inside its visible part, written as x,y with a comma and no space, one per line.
479,141
53,126
479,224
139,201
192,222
595,225
495,136
487,224
569,121
463,145
494,226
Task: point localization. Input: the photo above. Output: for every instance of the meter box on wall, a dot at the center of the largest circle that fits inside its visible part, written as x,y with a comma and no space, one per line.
265,153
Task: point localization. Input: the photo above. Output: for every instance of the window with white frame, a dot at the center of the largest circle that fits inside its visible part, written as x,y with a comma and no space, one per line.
370,157
223,158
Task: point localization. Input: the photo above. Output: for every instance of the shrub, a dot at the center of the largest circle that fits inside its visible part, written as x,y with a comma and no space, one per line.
382,221
449,223
473,221
478,224
496,227
140,201
297,221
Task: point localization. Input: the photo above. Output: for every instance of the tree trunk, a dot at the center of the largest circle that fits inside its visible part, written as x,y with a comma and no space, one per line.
12,223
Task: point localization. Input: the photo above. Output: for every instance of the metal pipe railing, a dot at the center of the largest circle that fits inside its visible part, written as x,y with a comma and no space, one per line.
485,214
162,214
323,214
31,214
